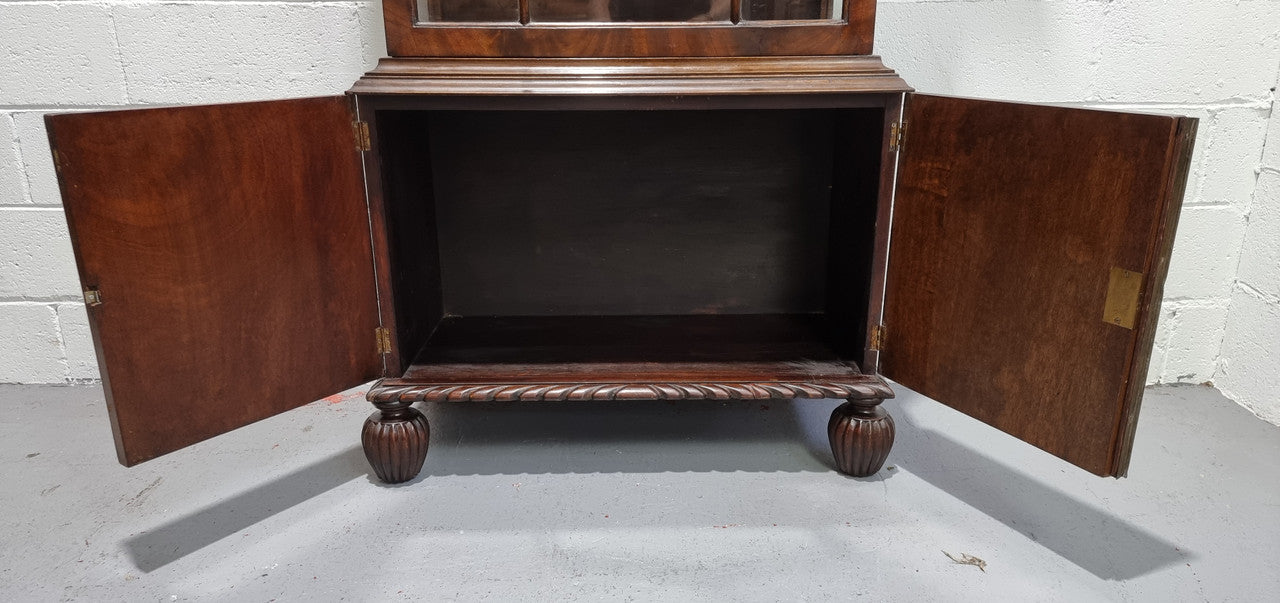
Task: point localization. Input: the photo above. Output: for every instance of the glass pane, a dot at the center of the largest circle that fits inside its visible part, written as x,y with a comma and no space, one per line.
790,10
485,11
548,11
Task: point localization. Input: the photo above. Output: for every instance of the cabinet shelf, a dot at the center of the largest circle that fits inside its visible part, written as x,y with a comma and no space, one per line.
630,357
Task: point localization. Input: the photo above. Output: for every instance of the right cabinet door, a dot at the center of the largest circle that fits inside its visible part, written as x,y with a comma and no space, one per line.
1028,255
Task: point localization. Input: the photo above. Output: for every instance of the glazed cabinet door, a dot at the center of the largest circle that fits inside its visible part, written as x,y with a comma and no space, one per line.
226,260
1028,256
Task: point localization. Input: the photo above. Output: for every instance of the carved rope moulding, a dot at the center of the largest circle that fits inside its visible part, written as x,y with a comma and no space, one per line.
560,392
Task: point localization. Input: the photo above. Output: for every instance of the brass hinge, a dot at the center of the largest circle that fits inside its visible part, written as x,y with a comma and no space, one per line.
361,131
1124,291
897,134
383,335
92,297
877,338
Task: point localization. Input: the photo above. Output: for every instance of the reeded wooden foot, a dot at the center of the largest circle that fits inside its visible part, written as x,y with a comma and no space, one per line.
395,439
861,434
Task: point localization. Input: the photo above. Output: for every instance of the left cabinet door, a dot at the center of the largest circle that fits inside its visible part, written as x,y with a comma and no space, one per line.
225,253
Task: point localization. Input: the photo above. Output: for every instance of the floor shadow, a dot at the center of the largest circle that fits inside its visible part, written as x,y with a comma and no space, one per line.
631,437
654,437
169,542
1091,538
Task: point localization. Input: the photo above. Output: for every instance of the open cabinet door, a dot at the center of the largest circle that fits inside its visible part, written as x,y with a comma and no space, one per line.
226,260
1029,251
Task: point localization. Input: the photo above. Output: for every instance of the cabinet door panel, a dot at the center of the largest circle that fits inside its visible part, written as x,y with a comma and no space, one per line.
1008,223
230,248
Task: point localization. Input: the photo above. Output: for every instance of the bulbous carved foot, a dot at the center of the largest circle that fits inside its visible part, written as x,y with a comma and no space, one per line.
861,434
395,440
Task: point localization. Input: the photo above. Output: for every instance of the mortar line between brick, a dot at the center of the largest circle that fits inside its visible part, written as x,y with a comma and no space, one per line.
22,161
62,343
16,144
1257,293
1197,302
115,37
1268,137
36,300
1215,105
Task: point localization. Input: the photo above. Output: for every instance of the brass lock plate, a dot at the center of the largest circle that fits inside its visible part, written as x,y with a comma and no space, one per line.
1123,294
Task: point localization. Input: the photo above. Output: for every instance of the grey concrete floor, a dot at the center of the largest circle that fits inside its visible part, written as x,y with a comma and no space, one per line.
649,501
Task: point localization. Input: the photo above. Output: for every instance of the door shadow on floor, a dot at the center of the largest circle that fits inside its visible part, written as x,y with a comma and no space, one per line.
656,437
174,540
502,438
1088,536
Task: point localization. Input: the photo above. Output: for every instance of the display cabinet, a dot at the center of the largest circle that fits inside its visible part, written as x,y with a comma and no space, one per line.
538,201
628,28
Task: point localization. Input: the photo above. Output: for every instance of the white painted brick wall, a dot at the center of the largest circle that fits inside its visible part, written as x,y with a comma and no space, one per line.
36,263
1213,60
33,352
37,161
69,55
1249,368
13,181
59,53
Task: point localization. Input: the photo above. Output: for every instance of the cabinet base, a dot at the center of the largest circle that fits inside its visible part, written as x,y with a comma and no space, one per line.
396,436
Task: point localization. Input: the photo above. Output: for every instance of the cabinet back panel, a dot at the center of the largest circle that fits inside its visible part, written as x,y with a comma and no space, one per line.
625,213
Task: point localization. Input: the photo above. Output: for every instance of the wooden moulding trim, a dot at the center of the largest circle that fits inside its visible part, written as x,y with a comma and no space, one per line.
639,76
396,390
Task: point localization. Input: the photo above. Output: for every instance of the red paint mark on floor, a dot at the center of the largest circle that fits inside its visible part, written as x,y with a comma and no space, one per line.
340,397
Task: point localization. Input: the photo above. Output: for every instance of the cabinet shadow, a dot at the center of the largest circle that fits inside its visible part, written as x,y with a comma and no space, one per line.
1090,537
174,540
656,437
492,438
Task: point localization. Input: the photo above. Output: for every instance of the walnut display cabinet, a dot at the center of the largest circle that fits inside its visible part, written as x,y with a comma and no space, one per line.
537,201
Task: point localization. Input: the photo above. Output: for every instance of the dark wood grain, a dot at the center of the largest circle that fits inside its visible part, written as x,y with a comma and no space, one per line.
617,213
884,226
1153,291
406,37
394,361
855,200
1007,222
412,251
630,358
853,78
553,340
861,433
231,247
396,443
674,386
